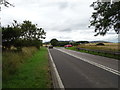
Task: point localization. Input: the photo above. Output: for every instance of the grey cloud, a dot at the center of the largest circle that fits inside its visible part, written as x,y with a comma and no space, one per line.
63,37
66,30
63,5
59,18
78,25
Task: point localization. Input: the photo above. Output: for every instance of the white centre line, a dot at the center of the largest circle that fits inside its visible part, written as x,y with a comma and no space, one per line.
93,63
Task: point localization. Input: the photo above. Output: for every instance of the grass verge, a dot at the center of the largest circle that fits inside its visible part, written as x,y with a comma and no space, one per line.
95,53
33,73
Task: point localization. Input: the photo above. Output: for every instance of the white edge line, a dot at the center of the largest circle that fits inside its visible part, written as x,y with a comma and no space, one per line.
56,72
94,63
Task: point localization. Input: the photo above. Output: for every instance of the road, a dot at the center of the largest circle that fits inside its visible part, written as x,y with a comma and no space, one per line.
77,71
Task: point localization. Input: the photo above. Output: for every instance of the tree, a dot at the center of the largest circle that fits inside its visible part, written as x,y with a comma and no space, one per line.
31,31
105,17
82,42
63,43
54,42
100,44
25,34
10,33
6,3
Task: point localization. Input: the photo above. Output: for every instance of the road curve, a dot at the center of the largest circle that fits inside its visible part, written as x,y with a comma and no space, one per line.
76,73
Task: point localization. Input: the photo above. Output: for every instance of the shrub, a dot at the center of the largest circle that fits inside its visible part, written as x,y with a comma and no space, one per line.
100,44
27,43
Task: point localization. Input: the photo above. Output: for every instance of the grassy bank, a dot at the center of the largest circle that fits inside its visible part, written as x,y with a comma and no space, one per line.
33,71
11,60
0,69
95,53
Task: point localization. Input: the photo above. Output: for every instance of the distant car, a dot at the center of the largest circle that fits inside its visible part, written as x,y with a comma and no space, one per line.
68,45
50,46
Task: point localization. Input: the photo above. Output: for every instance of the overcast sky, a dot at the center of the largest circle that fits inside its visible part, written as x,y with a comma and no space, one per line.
61,19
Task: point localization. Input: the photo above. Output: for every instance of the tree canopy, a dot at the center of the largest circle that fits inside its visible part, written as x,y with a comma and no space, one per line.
54,42
105,17
31,31
6,3
24,34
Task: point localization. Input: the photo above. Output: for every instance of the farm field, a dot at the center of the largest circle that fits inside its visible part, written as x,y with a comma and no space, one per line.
109,47
114,47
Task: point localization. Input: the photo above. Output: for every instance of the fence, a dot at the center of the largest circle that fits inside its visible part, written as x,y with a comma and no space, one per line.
99,51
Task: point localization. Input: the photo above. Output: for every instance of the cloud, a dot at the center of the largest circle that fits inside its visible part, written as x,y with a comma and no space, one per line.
61,19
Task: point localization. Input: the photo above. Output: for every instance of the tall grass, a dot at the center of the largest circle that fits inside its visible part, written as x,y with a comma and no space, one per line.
33,72
11,61
0,69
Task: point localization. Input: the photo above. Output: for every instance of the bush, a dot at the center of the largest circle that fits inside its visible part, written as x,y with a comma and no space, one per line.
27,43
75,44
63,43
100,44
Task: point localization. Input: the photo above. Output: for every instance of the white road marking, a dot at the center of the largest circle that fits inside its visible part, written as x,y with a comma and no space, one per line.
56,72
93,63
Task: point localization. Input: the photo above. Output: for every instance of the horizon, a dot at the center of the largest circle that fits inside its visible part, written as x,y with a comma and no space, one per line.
83,40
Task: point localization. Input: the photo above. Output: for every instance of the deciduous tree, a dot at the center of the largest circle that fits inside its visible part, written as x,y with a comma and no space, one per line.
6,3
54,42
25,34
105,17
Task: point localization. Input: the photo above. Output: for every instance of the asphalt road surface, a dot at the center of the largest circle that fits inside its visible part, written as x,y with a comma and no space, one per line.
77,73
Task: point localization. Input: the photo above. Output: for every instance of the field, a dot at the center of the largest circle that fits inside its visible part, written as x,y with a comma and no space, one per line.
110,47
26,69
114,47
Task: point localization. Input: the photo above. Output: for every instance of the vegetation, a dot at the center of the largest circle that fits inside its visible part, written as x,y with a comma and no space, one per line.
79,42
82,42
95,53
113,47
6,3
26,69
12,60
54,42
106,17
20,35
24,64
100,44
63,43
0,68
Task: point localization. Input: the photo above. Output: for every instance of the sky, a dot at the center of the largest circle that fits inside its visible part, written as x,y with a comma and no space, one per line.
61,19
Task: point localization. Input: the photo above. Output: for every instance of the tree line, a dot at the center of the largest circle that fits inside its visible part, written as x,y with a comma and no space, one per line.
20,35
55,42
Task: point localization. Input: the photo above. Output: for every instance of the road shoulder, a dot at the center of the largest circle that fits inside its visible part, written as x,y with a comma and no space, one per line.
57,82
